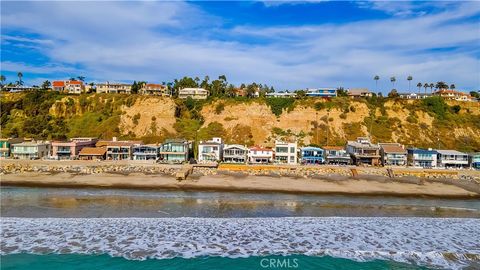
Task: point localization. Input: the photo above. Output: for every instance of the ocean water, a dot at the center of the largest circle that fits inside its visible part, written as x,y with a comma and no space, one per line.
122,229
77,262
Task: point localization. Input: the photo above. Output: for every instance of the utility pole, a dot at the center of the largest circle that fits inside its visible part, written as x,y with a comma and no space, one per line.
328,126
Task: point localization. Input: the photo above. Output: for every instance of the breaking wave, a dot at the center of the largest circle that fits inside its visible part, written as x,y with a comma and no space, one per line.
445,243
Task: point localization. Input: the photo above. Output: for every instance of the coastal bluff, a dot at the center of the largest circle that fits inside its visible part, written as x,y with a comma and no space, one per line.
229,177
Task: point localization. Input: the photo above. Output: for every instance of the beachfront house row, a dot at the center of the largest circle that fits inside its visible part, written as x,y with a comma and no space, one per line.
71,149
359,93
93,153
69,86
393,154
362,151
211,150
6,146
154,89
260,155
336,155
326,92
474,160
312,155
175,151
195,93
146,152
235,153
451,158
31,150
115,88
285,152
421,158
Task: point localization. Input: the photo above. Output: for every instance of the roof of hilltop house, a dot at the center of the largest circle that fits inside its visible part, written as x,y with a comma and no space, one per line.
333,148
93,151
450,152
393,148
154,85
74,82
58,83
357,91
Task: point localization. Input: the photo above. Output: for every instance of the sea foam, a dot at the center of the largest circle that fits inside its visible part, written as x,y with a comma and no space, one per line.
445,243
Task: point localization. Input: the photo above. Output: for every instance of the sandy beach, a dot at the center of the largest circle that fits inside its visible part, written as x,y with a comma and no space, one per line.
225,182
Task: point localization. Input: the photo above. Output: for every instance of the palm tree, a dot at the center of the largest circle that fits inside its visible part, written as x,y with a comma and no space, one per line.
2,79
376,78
452,86
426,85
20,76
431,87
419,85
393,79
81,78
409,79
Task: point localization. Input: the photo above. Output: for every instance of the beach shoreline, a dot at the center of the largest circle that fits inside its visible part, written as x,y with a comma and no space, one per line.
235,183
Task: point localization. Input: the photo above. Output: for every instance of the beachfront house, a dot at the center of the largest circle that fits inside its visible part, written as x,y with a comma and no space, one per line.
31,150
71,149
154,89
451,159
260,155
118,150
114,88
6,145
146,152
285,152
175,151
93,153
362,151
195,93
326,92
211,150
421,158
474,160
393,154
312,155
359,93
235,153
336,155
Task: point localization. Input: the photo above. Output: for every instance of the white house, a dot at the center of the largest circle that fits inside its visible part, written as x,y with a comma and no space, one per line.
452,158
210,151
195,93
235,153
260,155
286,152
117,88
421,158
31,150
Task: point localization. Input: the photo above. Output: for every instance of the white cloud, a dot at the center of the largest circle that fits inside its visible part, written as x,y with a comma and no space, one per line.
158,41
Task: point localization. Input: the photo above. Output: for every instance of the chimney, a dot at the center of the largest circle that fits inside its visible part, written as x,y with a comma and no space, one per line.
114,139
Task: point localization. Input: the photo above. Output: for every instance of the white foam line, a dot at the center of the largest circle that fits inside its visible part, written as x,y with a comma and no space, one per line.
438,242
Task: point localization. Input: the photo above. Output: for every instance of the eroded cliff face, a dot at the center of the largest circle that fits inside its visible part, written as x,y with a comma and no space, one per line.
395,121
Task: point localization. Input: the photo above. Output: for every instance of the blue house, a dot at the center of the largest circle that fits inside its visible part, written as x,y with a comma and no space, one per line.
312,155
321,92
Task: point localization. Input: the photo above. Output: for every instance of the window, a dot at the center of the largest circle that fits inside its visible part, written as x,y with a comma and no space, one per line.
292,150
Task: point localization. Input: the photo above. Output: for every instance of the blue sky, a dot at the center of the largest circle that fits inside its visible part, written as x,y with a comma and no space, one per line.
290,45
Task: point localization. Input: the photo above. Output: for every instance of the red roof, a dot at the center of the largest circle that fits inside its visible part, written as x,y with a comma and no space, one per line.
58,84
258,148
154,85
75,82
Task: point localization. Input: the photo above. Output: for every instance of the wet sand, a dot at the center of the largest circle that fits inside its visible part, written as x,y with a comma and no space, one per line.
226,182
